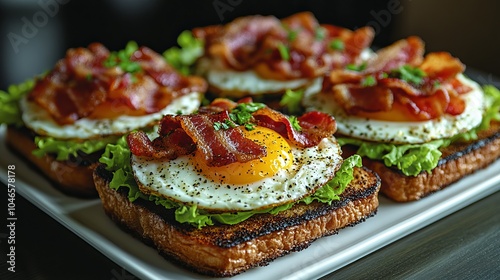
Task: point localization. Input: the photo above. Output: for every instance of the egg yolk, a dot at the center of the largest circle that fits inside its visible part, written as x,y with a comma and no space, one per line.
279,156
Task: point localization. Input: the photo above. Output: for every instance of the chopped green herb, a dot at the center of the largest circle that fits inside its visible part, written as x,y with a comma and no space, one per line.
409,74
242,114
227,124
122,59
284,51
337,44
292,100
249,126
369,81
295,123
320,33
292,35
357,68
217,125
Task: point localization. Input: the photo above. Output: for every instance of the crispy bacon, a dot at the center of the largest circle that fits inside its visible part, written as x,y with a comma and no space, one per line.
171,146
258,43
315,126
223,146
185,134
355,97
81,86
405,51
437,93
441,66
181,135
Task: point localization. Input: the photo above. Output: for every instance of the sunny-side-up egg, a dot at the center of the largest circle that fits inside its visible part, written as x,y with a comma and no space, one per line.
39,120
403,132
286,174
241,83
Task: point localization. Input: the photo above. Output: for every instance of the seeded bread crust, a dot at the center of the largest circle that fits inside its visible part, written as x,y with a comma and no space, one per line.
226,250
70,177
458,160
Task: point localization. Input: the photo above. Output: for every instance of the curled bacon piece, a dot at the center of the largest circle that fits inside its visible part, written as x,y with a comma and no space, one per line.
314,126
405,51
80,86
185,134
436,92
181,135
294,47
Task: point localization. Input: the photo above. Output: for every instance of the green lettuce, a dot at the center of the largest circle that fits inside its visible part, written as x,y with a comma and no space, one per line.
116,158
64,149
10,113
184,57
412,159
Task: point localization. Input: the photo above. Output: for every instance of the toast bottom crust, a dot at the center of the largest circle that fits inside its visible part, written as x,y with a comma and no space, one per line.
227,250
71,178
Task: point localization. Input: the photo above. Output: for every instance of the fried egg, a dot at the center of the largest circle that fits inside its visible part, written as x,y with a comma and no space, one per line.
39,120
403,132
286,174
232,83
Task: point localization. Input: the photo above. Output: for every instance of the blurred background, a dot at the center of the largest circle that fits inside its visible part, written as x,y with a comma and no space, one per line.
36,33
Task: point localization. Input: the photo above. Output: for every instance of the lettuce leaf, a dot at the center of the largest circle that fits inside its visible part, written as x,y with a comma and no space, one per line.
333,189
412,159
184,57
116,158
64,149
10,113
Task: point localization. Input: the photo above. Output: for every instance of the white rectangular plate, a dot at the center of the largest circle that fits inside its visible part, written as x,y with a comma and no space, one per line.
393,221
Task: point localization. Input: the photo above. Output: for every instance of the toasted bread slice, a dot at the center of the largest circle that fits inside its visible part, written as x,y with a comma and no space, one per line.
458,160
70,177
226,250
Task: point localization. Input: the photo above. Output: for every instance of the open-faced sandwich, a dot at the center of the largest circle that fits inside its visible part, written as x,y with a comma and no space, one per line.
256,55
234,186
418,121
62,121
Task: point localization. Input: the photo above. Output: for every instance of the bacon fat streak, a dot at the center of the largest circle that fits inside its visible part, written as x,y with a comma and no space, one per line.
81,86
184,134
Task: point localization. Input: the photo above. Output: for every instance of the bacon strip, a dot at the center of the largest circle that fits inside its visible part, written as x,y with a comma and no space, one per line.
181,135
258,43
223,146
422,101
81,86
185,134
315,126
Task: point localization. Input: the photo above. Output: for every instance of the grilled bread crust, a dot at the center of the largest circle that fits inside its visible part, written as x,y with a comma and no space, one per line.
458,160
72,177
226,250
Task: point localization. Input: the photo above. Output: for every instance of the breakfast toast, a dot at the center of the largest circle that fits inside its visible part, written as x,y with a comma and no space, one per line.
226,250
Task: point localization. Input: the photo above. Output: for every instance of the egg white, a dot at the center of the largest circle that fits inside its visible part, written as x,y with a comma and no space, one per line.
232,83
179,180
403,132
39,120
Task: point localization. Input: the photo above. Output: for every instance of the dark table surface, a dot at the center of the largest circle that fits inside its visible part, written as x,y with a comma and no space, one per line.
463,245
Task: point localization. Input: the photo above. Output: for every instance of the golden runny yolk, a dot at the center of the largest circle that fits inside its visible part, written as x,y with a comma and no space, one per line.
279,156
